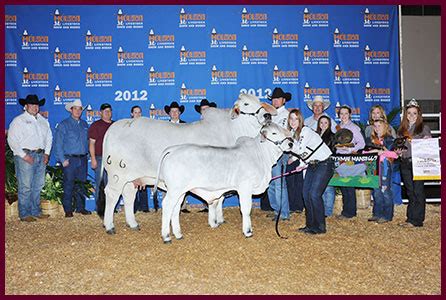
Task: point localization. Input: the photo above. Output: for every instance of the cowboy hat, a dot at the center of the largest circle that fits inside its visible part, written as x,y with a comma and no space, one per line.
318,98
204,102
279,93
32,99
76,102
174,104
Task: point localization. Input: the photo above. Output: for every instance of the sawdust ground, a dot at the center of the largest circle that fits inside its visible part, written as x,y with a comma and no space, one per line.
76,256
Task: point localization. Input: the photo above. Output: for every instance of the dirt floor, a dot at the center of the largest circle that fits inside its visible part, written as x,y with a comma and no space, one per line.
76,256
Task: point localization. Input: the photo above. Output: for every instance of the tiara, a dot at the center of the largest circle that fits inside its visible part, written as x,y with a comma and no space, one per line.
413,102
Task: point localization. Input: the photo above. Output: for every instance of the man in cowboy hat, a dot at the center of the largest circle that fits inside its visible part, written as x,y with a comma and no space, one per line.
30,139
174,110
96,134
318,106
71,149
277,190
203,105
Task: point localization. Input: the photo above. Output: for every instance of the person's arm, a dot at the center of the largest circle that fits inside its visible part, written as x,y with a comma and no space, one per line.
58,145
358,139
91,144
48,144
15,136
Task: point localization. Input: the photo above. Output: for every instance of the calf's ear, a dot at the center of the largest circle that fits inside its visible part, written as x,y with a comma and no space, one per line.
269,108
235,112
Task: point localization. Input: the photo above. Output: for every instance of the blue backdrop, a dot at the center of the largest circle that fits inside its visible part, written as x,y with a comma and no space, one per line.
152,55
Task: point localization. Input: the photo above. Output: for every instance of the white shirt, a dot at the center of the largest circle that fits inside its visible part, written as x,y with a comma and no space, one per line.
308,141
29,132
281,118
312,123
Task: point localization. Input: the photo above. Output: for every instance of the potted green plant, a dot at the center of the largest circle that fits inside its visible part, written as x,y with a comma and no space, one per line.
10,177
52,192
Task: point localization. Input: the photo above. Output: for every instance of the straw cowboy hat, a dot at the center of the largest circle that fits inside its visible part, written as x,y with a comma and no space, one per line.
318,98
32,99
76,102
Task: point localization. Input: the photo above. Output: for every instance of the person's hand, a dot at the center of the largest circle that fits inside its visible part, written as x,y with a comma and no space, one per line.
299,168
45,159
28,159
66,163
94,163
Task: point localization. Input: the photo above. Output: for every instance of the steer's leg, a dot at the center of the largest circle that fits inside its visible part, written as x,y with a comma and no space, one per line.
129,194
169,202
245,207
112,194
212,214
220,219
176,229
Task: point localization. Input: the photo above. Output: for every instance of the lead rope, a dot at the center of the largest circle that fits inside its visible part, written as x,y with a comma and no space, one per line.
280,206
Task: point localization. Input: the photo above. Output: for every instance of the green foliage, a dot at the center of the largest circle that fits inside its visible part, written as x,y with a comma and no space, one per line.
53,188
10,177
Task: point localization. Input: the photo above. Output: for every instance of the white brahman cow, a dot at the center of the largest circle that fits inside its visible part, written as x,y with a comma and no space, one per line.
210,172
132,148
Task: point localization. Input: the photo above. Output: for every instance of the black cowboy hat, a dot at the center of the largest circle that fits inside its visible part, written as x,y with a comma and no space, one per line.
279,93
32,99
204,102
174,104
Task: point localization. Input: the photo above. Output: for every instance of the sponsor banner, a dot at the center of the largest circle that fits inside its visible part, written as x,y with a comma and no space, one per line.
191,95
62,96
377,94
191,20
126,21
11,98
161,78
223,40
222,77
34,42
11,59
66,59
315,56
374,19
355,170
10,21
160,41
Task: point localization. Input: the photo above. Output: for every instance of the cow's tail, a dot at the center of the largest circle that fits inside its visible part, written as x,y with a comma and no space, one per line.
155,188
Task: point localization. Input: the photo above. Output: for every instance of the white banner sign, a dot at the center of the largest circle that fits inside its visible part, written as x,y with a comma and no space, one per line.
426,159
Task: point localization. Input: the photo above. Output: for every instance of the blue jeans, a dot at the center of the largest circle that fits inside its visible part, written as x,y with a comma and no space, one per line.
277,192
316,180
142,200
382,197
30,181
348,201
75,171
294,184
97,179
329,196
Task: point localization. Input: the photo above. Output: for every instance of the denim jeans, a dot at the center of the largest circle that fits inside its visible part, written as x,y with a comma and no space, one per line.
316,180
97,178
329,196
295,185
277,191
30,181
76,170
142,200
348,201
416,209
382,196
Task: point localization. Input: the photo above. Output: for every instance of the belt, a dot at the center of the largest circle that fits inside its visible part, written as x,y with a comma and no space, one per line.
313,162
35,151
76,155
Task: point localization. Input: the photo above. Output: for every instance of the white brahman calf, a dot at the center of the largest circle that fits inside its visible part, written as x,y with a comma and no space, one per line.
209,172
132,148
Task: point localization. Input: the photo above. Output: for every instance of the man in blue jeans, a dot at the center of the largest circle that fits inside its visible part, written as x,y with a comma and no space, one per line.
71,151
30,139
277,190
96,134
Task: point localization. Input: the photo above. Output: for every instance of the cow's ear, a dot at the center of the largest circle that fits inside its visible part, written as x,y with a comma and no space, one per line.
262,136
269,108
235,112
